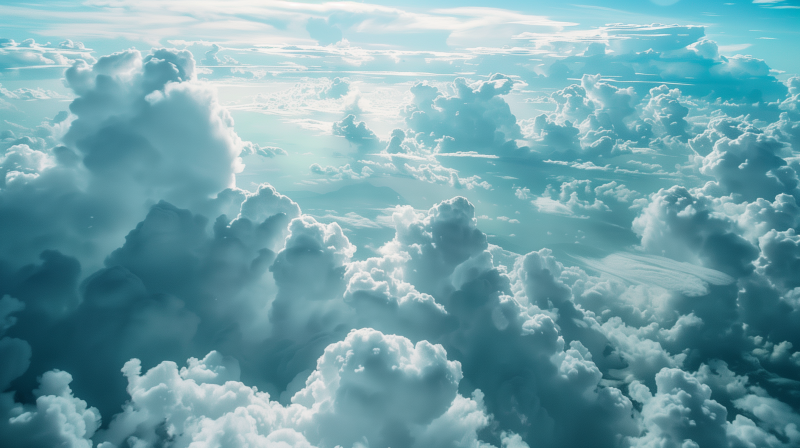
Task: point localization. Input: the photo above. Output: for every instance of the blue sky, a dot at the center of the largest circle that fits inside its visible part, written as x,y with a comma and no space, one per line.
399,224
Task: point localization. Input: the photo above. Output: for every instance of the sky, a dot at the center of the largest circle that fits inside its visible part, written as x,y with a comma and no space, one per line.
517,224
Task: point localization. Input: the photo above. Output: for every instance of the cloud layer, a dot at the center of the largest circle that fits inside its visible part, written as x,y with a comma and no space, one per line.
150,297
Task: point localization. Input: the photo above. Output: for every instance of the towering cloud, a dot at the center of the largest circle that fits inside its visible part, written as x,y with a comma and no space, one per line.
142,129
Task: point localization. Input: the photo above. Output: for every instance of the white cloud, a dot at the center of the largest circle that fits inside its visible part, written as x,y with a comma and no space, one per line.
681,224
572,199
131,244
687,278
57,418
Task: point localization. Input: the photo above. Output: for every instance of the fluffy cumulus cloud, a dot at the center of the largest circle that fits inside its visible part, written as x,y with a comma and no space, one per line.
155,292
368,389
751,166
471,117
666,53
128,112
573,198
29,53
598,120
134,124
683,225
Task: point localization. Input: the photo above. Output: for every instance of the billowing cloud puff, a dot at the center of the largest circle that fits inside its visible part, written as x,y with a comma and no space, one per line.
663,53
574,198
667,110
474,118
683,225
312,248
340,172
57,419
135,123
374,386
212,58
436,243
552,138
681,413
719,127
384,301
760,216
266,202
369,388
129,112
30,53
751,167
171,285
26,94
439,174
599,120
780,257
356,133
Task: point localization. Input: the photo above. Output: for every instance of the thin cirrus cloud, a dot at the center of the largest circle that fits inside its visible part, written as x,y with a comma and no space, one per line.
653,270
289,17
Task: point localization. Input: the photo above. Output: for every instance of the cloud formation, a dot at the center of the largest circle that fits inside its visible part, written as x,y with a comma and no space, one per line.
154,292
